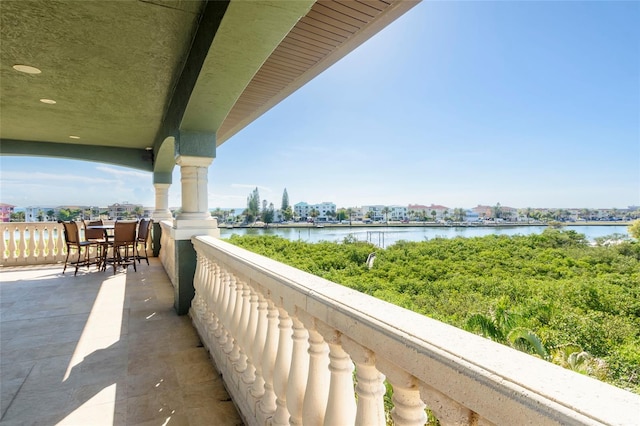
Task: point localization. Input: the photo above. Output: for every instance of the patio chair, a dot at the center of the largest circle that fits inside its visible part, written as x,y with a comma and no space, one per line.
73,241
98,239
123,245
144,228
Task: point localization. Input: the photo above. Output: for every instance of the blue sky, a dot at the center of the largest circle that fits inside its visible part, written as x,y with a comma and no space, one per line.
529,104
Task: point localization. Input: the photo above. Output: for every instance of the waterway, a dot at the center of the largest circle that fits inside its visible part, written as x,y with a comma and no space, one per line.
386,236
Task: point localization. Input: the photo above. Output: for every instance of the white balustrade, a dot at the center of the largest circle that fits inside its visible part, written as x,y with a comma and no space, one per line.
168,249
32,243
290,341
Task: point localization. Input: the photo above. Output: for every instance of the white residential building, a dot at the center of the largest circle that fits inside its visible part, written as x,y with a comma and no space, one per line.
39,213
303,210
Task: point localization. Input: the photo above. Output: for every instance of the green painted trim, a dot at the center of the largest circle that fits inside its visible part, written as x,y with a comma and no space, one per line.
196,144
248,35
156,236
126,157
161,177
184,291
165,159
210,22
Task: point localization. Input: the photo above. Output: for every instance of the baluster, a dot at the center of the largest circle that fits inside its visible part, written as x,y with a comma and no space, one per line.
196,308
22,245
341,405
228,318
269,353
30,255
50,247
298,373
317,392
249,375
205,287
206,313
206,308
54,245
3,246
216,301
369,385
61,244
13,248
199,287
257,349
38,253
447,411
235,322
241,365
408,408
223,307
212,320
208,268
281,368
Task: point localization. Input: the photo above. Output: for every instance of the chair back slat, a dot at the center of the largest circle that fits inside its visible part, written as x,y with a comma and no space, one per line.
71,234
143,230
124,232
94,234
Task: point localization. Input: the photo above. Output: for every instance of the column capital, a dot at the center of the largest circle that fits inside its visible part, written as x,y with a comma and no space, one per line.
193,161
162,211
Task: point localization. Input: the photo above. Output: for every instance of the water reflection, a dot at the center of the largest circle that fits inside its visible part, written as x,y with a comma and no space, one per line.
391,235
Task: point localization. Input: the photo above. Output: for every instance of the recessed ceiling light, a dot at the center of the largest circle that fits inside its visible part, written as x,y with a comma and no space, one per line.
74,137
48,101
27,69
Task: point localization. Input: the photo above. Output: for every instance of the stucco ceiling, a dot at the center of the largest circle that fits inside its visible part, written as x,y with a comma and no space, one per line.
127,74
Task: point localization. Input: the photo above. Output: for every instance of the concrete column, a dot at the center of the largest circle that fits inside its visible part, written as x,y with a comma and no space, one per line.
194,152
193,172
162,211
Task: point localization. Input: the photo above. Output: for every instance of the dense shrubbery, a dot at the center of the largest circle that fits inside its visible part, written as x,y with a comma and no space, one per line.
580,304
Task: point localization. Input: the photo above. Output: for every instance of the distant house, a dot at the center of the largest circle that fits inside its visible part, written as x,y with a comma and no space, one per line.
127,210
5,212
471,216
426,211
40,213
303,210
488,212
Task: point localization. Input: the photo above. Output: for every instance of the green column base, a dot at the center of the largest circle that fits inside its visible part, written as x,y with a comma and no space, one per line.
185,271
155,238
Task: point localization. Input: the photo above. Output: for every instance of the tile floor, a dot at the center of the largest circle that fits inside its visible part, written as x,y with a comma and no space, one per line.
102,349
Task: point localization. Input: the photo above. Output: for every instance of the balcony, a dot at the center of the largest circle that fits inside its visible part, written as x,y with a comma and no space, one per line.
102,349
288,346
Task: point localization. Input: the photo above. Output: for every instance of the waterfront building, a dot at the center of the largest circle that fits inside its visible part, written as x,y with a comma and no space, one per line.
126,210
422,211
373,212
379,212
398,212
471,216
489,212
5,212
325,210
40,213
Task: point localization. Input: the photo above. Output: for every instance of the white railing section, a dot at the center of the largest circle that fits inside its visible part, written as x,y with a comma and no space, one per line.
37,243
31,243
287,342
167,251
